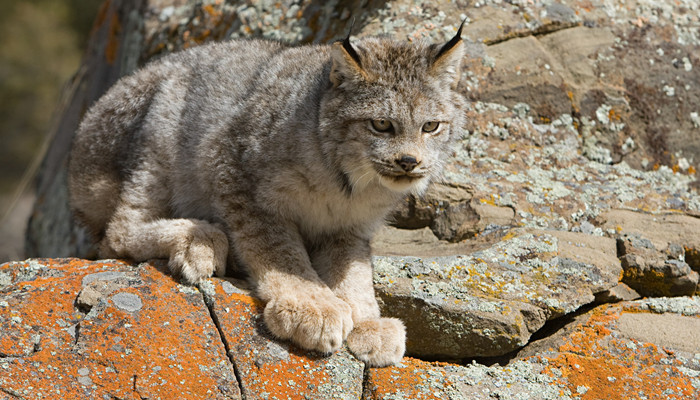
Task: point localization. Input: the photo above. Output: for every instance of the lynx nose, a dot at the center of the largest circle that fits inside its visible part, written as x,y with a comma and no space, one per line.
407,163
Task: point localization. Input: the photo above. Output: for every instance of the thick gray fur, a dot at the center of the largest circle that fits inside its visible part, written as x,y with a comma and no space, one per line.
274,159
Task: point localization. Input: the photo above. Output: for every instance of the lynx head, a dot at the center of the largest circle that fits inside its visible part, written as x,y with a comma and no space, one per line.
392,111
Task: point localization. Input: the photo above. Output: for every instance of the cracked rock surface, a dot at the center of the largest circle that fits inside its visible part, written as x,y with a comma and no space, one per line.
141,334
184,342
268,368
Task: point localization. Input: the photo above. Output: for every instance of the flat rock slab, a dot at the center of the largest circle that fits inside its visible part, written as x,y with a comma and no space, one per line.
662,229
76,329
641,349
273,369
489,302
603,354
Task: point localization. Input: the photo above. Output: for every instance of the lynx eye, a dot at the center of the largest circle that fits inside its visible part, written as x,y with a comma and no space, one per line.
382,125
431,126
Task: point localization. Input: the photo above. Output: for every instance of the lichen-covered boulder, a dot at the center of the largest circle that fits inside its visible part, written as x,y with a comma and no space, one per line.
671,234
79,329
73,328
606,353
653,273
489,302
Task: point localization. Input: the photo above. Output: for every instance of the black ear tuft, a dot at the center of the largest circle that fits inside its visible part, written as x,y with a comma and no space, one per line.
448,59
348,46
346,62
453,42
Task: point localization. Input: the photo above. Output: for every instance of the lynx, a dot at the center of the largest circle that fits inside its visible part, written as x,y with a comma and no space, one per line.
276,160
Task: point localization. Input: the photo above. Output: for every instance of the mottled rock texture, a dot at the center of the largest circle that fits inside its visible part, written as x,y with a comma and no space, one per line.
574,184
607,353
272,369
504,293
76,329
109,329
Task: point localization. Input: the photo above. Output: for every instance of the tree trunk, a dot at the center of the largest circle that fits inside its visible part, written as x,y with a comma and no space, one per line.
113,51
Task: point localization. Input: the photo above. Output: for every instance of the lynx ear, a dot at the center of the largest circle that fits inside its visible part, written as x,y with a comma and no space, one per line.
346,63
448,59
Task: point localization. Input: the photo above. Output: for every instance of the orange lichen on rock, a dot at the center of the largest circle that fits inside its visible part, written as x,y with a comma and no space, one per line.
596,364
408,380
275,369
141,336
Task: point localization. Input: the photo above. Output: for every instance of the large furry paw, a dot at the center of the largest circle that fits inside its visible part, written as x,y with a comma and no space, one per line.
314,320
378,342
200,253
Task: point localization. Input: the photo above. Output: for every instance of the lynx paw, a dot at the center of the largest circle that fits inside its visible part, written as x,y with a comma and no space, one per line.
200,253
314,320
378,342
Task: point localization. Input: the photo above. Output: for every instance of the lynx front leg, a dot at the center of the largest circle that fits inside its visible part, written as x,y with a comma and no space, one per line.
344,264
138,229
300,306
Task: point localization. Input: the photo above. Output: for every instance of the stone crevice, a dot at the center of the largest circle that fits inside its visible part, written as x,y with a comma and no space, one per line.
227,346
136,389
550,329
554,326
366,390
77,334
11,393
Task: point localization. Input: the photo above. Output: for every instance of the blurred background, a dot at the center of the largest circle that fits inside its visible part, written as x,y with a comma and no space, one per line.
41,47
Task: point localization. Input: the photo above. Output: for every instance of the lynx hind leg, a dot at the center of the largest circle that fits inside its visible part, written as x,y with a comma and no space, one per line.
196,249
379,341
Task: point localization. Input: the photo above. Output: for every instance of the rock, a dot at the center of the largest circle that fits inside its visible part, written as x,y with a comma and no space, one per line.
606,353
489,302
452,212
390,241
621,292
654,273
527,56
269,368
87,298
440,204
658,251
538,171
579,63
416,379
132,333
172,346
669,233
